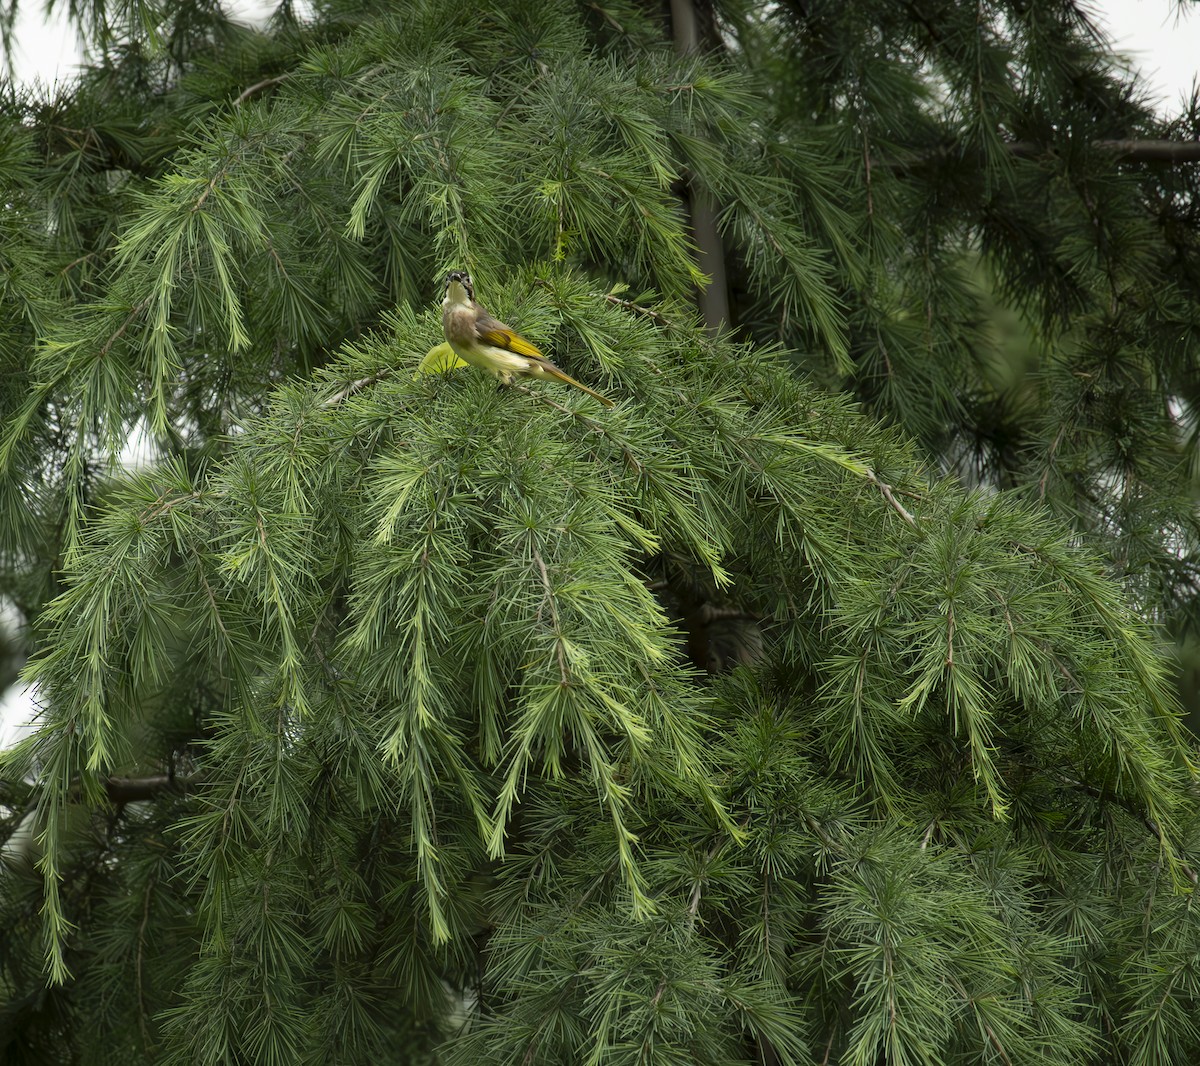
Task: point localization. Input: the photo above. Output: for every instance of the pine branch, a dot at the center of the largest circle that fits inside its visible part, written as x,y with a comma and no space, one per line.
1176,153
1132,149
120,789
139,789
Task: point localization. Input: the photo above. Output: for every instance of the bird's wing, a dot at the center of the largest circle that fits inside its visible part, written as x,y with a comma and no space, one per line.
494,332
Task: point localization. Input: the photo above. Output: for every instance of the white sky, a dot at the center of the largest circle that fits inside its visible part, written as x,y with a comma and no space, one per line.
47,49
1160,37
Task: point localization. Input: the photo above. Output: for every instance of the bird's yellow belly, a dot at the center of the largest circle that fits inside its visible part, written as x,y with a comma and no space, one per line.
459,327
496,360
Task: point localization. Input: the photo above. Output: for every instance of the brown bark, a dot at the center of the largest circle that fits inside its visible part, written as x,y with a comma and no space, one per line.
136,789
714,298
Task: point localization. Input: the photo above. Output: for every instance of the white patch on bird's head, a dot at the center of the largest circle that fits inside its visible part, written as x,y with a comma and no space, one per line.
459,289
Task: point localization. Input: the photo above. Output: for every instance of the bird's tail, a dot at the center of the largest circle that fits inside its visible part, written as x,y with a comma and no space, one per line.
551,370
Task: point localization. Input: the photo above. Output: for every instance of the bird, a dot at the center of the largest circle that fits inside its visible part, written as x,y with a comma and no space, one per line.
483,341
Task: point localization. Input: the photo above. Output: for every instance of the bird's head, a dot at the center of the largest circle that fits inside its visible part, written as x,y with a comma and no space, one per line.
459,289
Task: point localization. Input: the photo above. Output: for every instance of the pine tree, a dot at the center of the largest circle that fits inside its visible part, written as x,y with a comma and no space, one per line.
388,716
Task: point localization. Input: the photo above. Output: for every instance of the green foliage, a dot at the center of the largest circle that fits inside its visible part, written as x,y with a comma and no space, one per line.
1001,133
450,709
373,720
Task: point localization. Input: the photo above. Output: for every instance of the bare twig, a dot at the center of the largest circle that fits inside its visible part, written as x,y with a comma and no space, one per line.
258,86
134,311
141,944
564,673
639,309
889,495
354,386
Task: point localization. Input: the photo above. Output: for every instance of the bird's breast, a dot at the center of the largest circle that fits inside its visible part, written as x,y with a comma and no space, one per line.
458,323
